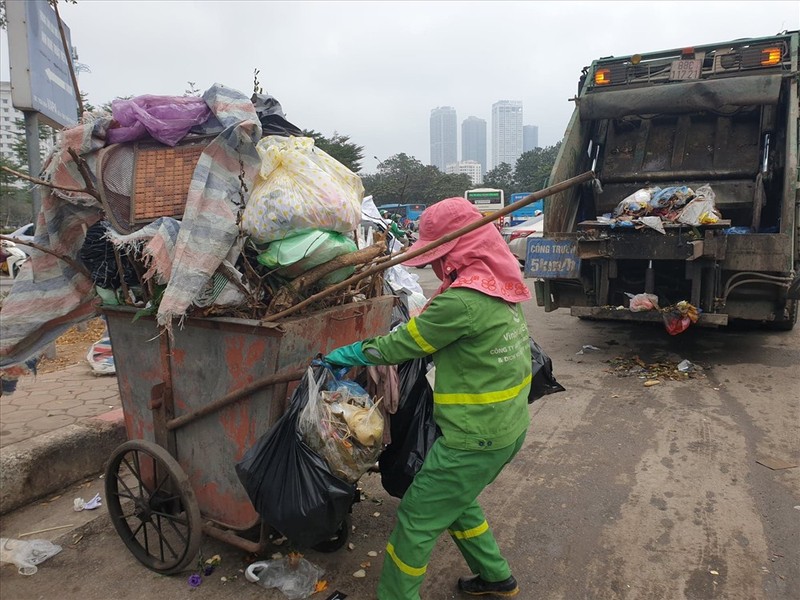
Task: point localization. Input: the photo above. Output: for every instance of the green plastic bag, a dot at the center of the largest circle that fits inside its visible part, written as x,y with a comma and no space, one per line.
292,256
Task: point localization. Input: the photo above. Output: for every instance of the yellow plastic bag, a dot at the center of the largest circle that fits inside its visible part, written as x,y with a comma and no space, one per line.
300,187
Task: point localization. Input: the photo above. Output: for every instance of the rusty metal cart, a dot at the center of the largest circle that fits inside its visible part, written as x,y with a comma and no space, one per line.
193,404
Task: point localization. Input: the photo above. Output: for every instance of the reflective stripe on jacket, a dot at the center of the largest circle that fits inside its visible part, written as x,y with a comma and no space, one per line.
481,349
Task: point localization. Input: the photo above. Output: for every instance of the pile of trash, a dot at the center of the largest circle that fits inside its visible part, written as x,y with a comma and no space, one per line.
653,207
634,366
677,317
256,220
344,426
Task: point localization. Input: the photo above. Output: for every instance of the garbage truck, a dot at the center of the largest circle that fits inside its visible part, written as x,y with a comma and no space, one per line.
716,123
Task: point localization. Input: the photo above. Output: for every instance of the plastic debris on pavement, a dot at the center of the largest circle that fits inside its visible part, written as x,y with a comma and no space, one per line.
80,504
293,575
587,347
100,356
634,366
687,366
26,554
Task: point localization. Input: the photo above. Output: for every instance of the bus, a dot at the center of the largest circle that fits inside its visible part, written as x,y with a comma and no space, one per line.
526,212
486,200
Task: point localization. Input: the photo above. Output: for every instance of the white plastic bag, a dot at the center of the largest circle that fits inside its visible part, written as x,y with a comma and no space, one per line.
332,425
300,187
701,210
643,302
26,554
100,357
635,204
296,578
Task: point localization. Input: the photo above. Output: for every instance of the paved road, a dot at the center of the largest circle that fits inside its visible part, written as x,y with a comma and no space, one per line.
621,490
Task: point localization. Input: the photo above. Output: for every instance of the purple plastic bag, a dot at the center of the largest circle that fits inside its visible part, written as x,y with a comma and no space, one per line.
166,118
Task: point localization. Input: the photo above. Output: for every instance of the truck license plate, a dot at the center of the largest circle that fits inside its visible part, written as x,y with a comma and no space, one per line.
685,69
552,259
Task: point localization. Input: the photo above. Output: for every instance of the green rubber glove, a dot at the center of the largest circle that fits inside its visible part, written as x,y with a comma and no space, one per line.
349,356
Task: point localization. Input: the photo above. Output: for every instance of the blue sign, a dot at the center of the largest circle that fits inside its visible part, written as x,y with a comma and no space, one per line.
552,259
40,69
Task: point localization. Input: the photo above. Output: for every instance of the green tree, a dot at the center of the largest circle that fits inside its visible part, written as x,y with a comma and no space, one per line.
533,168
339,147
20,146
448,186
402,179
16,201
395,179
501,178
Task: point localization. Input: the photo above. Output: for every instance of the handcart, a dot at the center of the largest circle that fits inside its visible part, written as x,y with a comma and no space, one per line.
193,404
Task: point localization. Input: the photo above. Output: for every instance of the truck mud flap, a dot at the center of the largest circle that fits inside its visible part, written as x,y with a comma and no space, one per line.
607,313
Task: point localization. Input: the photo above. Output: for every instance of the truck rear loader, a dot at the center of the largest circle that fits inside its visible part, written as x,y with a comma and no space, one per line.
723,115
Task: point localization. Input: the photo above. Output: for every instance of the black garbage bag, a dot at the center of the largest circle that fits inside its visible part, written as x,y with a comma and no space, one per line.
290,485
97,254
543,382
273,121
412,427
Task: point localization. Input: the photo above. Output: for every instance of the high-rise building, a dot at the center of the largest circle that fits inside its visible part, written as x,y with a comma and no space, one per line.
506,132
10,131
467,167
444,137
530,137
473,141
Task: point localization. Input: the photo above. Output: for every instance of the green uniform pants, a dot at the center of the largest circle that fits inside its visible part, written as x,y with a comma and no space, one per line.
443,496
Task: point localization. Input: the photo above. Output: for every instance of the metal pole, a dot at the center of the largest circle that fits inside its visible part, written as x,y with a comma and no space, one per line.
34,157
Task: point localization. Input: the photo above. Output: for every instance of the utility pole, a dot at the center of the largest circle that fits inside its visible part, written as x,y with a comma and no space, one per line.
34,157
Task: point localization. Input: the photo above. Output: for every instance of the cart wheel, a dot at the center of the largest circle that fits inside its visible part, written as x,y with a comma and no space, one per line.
339,539
153,507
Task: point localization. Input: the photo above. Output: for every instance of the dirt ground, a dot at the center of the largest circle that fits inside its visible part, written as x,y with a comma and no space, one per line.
71,348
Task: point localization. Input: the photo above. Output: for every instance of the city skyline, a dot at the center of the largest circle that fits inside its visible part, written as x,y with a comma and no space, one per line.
509,137
507,124
443,137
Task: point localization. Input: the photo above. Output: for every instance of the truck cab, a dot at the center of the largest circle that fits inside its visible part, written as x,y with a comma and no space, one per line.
721,115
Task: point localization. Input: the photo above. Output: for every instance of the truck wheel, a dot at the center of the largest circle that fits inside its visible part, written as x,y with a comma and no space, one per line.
787,323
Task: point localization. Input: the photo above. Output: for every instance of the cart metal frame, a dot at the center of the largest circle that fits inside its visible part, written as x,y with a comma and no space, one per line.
193,403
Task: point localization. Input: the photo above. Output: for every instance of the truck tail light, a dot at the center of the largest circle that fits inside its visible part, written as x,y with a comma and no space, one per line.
770,57
602,77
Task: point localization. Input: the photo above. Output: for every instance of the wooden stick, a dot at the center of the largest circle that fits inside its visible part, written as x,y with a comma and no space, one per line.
553,189
234,279
287,294
71,262
42,181
68,52
45,530
121,273
83,169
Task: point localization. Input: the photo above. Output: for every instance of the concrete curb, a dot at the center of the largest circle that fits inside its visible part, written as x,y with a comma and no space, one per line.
34,468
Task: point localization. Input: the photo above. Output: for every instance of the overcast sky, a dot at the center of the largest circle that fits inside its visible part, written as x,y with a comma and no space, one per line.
374,70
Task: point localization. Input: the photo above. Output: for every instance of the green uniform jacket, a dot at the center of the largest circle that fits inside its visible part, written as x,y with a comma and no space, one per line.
481,349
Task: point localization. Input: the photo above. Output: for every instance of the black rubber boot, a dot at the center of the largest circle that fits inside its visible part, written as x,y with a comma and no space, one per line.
475,586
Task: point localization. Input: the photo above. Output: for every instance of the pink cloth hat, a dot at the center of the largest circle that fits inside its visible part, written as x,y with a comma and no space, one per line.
481,258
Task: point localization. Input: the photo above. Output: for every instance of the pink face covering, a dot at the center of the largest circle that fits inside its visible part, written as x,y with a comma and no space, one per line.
438,268
481,259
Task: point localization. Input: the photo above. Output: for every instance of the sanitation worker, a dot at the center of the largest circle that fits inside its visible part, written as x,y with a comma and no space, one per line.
476,333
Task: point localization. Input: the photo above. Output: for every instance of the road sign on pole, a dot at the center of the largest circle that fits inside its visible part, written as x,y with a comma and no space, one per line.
40,70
